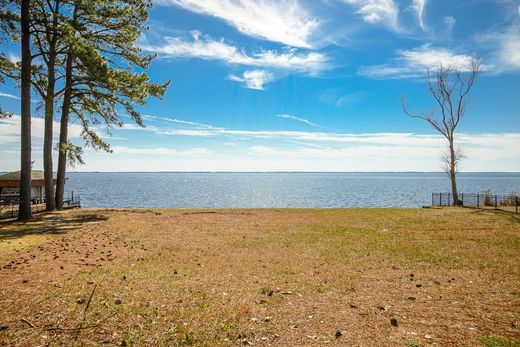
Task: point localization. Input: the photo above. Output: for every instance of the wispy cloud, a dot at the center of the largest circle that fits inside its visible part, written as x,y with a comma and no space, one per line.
295,150
285,21
13,57
10,129
161,151
414,63
177,122
265,150
418,6
12,96
385,12
299,119
505,48
204,47
187,123
195,129
356,152
254,79
338,99
449,24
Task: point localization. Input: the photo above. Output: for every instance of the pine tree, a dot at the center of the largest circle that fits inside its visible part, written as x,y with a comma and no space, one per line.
103,72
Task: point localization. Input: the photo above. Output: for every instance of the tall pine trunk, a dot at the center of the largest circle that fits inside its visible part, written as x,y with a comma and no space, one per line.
453,173
64,128
47,141
25,209
49,118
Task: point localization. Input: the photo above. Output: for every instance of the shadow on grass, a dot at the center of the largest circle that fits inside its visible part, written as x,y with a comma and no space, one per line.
55,223
513,216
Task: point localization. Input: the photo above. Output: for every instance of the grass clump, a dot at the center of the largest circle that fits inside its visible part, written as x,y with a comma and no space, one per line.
495,341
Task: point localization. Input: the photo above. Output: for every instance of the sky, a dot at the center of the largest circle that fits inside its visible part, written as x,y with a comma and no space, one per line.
307,85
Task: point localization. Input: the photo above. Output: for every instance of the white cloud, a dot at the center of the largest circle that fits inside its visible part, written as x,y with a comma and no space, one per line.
334,97
264,150
10,96
13,57
373,152
144,151
507,52
313,136
418,7
414,63
278,150
210,49
384,12
449,24
501,48
10,141
254,79
299,119
177,122
161,151
16,97
10,129
284,21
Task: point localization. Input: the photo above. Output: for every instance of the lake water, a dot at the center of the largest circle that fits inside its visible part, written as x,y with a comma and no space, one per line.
151,189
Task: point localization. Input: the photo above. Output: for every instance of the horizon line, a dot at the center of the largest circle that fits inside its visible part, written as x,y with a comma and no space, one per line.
287,171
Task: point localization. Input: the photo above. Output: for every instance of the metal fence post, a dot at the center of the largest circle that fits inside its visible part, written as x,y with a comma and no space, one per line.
517,204
496,202
478,200
462,199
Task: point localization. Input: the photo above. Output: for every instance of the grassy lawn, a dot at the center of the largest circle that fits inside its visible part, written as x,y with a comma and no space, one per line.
284,277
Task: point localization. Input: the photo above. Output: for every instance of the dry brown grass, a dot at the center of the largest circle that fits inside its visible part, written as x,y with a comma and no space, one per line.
285,277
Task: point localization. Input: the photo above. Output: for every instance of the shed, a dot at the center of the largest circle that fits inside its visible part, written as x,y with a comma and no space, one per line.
10,186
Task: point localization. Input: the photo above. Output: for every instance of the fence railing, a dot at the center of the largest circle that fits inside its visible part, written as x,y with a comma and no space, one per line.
9,206
482,200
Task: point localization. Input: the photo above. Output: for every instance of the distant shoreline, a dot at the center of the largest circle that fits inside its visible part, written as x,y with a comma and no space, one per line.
297,172
328,172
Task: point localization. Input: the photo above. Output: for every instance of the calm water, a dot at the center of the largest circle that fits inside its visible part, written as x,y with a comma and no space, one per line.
275,189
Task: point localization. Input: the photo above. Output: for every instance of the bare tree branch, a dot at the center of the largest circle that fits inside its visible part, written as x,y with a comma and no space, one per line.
449,87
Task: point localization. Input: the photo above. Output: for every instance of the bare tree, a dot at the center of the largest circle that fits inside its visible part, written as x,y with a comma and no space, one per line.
449,87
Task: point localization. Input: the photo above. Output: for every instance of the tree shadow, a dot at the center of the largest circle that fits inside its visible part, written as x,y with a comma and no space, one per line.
513,216
54,223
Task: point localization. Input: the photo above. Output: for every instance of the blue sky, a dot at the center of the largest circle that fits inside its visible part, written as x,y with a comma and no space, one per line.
309,85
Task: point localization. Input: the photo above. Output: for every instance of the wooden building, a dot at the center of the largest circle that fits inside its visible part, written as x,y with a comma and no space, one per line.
10,186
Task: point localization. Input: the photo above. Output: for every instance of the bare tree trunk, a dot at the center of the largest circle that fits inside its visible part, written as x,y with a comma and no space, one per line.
47,141
452,173
64,127
25,209
49,118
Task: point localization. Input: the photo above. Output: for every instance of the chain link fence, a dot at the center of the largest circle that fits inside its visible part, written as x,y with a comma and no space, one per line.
484,200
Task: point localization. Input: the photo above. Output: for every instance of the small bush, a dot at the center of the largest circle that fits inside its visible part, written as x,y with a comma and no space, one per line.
513,198
509,200
488,198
